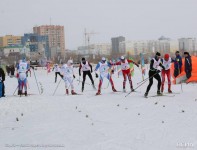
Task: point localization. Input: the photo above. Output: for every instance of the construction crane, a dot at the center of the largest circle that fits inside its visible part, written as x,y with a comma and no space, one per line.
87,36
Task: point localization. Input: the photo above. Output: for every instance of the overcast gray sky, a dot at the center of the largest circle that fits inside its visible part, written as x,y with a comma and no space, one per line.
134,19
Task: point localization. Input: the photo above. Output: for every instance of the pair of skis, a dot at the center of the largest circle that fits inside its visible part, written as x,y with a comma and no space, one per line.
165,94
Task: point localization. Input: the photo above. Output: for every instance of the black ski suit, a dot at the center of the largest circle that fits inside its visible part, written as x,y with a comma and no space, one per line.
154,73
88,72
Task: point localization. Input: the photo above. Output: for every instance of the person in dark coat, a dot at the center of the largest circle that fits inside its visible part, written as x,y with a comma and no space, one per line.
188,64
177,64
2,79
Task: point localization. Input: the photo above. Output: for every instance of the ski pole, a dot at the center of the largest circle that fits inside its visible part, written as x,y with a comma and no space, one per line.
36,81
82,81
57,87
15,90
141,84
79,80
143,80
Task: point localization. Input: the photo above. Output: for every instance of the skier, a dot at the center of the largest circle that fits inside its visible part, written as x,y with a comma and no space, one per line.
56,68
86,67
188,64
68,76
126,72
166,62
154,72
2,79
177,64
22,69
104,67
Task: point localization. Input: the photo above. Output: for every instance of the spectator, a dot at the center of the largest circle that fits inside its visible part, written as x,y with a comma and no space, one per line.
188,64
2,79
177,64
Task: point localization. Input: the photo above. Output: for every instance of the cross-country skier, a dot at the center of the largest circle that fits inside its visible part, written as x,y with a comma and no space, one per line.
154,73
103,66
22,76
56,68
166,62
68,76
126,72
86,67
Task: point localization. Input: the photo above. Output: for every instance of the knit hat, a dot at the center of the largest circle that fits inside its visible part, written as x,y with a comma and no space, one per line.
103,59
177,52
186,53
158,54
122,58
166,56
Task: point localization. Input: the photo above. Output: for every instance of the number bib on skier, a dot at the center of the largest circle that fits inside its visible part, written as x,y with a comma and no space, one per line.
67,70
57,69
156,63
167,64
104,69
22,67
125,65
85,67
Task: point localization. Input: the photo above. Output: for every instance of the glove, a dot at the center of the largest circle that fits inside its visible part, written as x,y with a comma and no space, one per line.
96,75
79,74
112,71
32,67
163,68
158,71
73,76
91,71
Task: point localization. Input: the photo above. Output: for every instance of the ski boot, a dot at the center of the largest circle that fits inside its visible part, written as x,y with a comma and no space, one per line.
132,90
82,89
162,88
67,91
159,93
113,89
73,92
20,92
98,93
124,89
169,88
146,95
25,93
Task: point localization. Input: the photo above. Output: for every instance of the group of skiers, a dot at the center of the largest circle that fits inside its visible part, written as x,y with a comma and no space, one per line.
165,64
106,70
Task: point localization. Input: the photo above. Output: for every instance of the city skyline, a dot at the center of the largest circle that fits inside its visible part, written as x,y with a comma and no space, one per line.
133,19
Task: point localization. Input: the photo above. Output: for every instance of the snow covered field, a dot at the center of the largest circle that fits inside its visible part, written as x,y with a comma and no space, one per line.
106,122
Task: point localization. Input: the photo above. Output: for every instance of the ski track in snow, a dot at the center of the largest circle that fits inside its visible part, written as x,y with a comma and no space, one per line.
105,122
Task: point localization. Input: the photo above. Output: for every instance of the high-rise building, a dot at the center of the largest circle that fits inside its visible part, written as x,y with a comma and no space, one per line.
116,43
187,44
37,43
56,38
10,40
